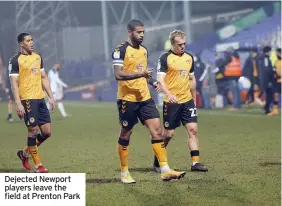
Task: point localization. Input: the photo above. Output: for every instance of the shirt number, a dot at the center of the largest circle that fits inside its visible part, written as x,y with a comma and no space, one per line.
193,112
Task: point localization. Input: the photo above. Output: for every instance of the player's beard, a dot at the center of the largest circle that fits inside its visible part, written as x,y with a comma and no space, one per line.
136,42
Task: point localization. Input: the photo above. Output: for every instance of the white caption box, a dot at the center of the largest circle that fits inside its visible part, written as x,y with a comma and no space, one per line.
55,189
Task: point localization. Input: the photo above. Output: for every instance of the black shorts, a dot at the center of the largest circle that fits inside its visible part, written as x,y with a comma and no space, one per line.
277,87
175,114
36,112
130,112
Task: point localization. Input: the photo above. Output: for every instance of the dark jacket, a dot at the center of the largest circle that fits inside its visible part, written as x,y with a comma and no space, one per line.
248,68
220,64
266,73
199,68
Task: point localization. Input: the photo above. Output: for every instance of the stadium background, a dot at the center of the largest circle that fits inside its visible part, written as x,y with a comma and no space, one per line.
83,35
242,149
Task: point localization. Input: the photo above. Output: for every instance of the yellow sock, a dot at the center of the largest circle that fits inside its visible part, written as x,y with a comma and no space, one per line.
256,94
160,151
195,159
33,150
195,156
275,106
123,154
26,149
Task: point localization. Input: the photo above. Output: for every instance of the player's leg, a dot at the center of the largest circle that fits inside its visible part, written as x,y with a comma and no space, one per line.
127,119
149,115
10,110
123,151
269,100
277,91
34,117
62,108
172,120
33,149
59,99
42,135
44,122
257,94
11,102
167,136
189,120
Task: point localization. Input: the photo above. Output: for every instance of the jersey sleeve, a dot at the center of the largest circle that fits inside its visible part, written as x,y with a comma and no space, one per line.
41,63
192,70
13,66
162,63
118,55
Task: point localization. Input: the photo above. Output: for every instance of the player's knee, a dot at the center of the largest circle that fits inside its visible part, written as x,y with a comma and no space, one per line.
32,131
46,135
125,135
157,133
168,133
193,132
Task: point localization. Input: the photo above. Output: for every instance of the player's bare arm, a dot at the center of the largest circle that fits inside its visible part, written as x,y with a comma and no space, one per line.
16,92
47,88
171,98
193,86
123,76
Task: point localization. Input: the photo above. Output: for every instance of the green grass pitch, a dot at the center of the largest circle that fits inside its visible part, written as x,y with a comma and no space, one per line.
242,151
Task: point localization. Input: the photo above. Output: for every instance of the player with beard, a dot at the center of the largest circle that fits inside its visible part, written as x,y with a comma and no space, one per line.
135,102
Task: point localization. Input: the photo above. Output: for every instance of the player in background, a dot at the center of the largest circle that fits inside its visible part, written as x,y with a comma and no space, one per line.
57,86
11,100
277,83
29,80
176,76
6,87
2,76
134,100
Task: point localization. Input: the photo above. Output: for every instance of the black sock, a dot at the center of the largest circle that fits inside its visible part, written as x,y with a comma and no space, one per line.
40,138
10,116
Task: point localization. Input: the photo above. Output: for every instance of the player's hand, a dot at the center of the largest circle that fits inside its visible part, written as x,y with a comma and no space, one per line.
157,86
148,73
172,99
7,90
52,104
20,110
195,102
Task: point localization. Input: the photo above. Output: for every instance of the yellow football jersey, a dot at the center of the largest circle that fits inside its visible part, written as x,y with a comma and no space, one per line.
28,68
133,60
177,70
278,70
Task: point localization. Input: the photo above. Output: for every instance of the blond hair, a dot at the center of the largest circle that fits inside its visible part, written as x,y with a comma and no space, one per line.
176,33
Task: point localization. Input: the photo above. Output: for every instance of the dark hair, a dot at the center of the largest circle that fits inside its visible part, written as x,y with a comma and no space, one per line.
278,50
254,50
266,49
21,36
132,24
